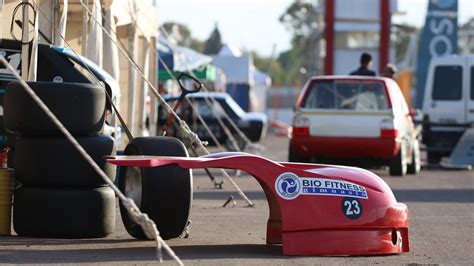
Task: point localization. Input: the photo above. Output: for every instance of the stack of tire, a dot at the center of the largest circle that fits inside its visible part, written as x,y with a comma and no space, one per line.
60,195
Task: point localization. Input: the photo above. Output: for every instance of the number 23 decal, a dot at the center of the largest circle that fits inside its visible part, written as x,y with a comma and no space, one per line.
351,208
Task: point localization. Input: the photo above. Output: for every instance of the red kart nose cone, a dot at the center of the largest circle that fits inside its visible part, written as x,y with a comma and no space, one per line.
314,209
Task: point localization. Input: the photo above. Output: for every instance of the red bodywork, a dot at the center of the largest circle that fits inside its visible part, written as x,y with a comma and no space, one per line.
312,224
345,148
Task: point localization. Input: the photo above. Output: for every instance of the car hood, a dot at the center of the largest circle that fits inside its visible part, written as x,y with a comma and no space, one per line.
256,117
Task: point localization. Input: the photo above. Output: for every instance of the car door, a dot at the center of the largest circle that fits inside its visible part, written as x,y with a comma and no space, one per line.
470,88
444,94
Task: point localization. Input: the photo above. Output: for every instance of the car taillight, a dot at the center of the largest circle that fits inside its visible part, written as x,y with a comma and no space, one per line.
388,133
387,129
301,127
300,131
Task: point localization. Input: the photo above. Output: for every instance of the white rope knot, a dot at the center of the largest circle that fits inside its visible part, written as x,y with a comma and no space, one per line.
190,138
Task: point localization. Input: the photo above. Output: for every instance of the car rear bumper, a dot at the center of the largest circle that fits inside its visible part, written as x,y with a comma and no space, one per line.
345,148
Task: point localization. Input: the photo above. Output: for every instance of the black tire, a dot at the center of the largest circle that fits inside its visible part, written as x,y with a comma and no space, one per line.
11,158
434,157
64,213
398,165
79,106
11,139
54,162
166,192
415,166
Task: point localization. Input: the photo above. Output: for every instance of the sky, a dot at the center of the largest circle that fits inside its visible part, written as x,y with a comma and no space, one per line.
253,24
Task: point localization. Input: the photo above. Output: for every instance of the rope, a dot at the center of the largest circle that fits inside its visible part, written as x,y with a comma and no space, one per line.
140,218
208,100
187,133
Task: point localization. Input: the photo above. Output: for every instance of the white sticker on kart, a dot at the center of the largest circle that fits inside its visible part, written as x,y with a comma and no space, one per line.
14,59
289,186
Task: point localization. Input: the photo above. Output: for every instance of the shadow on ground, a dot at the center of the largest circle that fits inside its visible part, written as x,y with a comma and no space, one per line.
435,195
137,254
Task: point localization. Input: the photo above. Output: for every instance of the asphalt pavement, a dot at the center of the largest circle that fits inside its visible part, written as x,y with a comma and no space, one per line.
441,205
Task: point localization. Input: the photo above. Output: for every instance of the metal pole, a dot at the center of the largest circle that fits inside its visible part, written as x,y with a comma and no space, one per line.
1,18
25,53
132,81
85,29
132,92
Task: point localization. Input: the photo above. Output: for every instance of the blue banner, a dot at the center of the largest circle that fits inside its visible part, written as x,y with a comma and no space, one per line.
438,38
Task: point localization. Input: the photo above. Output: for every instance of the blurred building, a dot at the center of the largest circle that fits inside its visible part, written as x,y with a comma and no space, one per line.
354,27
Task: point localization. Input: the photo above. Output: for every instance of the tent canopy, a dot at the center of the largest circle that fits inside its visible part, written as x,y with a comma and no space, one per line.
181,59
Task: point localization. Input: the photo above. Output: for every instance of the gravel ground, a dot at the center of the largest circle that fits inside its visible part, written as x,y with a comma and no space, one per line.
441,205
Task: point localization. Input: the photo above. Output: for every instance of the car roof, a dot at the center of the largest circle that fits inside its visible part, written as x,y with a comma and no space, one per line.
350,77
211,94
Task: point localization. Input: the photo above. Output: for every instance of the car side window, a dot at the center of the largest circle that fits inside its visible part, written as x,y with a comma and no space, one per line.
447,83
212,110
472,83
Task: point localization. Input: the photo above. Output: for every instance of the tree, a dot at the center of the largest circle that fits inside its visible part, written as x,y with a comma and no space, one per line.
267,64
214,43
179,32
304,20
401,35
466,37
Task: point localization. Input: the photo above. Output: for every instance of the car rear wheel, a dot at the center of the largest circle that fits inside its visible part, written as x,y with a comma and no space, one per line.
398,165
415,166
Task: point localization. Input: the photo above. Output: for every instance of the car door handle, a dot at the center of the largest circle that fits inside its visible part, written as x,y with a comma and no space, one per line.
471,110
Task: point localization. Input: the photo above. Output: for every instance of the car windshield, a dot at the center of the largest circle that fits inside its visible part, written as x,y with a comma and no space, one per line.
350,95
234,106
86,65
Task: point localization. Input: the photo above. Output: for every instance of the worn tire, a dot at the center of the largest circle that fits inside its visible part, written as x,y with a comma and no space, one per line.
398,165
164,193
11,158
415,166
64,212
54,162
79,106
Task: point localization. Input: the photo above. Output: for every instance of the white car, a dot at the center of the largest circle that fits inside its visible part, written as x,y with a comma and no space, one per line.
448,104
355,120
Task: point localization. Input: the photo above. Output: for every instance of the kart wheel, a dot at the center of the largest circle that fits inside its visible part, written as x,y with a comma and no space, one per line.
79,106
164,193
64,212
54,162
398,165
415,166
